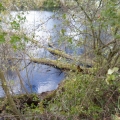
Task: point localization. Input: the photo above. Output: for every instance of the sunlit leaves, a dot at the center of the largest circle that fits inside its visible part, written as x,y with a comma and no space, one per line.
112,75
115,69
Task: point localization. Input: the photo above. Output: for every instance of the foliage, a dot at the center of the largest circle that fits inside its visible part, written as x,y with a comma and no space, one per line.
2,8
31,5
51,4
85,97
94,95
2,37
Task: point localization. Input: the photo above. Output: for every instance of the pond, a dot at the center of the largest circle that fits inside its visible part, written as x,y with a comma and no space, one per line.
38,78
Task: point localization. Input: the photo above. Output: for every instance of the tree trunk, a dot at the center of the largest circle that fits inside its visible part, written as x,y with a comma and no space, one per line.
9,97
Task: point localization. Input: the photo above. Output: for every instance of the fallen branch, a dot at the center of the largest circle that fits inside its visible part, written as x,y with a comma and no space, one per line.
60,65
55,63
76,59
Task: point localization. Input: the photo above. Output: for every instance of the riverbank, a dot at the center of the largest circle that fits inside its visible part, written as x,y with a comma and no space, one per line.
36,5
41,5
26,103
79,96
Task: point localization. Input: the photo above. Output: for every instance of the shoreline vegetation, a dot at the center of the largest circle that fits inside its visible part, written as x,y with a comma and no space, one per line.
66,102
40,5
85,93
45,5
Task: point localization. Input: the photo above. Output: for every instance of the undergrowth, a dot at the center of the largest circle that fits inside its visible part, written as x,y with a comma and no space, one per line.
78,97
85,96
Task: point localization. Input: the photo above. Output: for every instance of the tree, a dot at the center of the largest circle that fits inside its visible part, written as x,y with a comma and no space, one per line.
101,17
93,25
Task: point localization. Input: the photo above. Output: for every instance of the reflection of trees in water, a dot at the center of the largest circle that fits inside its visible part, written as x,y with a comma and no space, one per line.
31,88
40,76
11,74
10,64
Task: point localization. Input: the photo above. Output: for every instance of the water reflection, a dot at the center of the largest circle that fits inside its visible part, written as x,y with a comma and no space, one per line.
35,77
45,28
42,78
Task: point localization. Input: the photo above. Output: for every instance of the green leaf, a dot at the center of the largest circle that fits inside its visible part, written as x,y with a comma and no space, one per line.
15,25
115,69
26,39
63,31
64,16
2,38
15,39
117,36
111,71
112,77
70,40
2,8
14,47
54,26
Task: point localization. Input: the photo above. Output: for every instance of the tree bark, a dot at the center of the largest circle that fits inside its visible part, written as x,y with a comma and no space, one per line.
55,63
61,65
